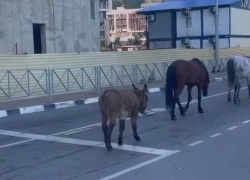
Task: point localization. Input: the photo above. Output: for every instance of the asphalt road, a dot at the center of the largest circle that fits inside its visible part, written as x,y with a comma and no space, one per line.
66,144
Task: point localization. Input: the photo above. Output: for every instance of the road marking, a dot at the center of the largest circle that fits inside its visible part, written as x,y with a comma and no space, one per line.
232,128
245,122
16,143
3,113
139,165
27,110
73,132
85,142
64,104
195,143
153,90
158,109
215,135
91,100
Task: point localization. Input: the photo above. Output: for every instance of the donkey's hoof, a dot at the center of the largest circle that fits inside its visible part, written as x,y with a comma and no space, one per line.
183,114
137,138
184,109
173,118
120,142
201,111
236,102
109,147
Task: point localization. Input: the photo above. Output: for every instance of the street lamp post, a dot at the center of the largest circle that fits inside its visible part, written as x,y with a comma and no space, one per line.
217,31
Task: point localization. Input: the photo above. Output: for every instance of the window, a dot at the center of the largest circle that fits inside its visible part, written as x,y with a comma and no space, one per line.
92,9
188,21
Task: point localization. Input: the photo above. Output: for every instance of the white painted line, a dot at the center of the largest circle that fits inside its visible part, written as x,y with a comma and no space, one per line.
139,166
195,143
232,128
245,122
73,132
3,114
215,135
32,109
158,109
64,104
85,142
153,90
16,143
91,100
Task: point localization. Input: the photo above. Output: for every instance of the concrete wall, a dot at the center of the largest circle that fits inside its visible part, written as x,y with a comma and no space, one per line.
223,43
69,26
160,44
187,31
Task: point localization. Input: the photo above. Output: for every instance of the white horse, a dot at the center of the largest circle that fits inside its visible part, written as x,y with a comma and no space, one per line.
238,67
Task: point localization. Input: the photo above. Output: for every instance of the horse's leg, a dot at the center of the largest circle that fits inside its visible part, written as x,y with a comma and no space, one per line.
173,117
189,96
109,133
236,89
105,128
176,96
238,93
134,126
248,85
199,100
121,129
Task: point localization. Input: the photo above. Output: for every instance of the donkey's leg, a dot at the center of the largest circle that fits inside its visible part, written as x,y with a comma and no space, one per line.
238,92
121,129
189,96
109,133
105,127
134,126
199,100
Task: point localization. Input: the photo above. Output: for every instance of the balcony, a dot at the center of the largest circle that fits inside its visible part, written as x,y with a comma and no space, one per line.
105,5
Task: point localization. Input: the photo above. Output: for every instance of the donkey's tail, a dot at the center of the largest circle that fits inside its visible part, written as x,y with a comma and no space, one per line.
231,74
170,82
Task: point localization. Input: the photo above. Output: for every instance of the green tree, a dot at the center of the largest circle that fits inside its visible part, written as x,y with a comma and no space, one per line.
137,41
117,42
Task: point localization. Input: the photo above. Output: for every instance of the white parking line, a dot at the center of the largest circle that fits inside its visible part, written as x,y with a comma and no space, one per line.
139,165
215,135
85,142
16,143
232,128
245,122
195,143
73,132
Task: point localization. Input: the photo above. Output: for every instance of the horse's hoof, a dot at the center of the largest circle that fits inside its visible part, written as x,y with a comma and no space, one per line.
109,147
173,118
183,114
229,99
120,142
137,138
236,102
184,109
201,111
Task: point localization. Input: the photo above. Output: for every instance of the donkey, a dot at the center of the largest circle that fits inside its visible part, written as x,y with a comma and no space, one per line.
238,67
118,105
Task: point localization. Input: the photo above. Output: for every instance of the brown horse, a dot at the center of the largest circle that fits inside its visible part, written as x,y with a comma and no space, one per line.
119,105
181,73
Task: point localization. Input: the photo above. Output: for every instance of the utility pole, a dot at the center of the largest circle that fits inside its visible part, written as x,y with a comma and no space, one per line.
217,31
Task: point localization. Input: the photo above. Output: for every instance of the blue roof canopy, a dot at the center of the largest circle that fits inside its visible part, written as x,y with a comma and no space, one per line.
179,4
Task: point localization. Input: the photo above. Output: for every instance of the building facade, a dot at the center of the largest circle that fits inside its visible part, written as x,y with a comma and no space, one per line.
49,26
184,24
104,7
126,24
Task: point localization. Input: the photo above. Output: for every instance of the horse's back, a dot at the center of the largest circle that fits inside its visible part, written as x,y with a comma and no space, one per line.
242,65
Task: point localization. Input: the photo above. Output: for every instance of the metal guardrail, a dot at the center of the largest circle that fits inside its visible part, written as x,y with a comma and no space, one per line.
16,84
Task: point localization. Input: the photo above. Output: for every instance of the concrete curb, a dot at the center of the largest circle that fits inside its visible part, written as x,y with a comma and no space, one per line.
66,104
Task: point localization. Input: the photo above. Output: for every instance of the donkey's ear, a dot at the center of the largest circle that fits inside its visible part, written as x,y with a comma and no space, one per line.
135,88
145,88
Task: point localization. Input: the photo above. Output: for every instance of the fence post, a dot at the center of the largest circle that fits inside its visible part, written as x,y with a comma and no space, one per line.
134,69
49,86
28,71
9,91
164,70
98,79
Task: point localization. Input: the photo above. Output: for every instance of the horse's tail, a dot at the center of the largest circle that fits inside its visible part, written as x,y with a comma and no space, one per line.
170,82
231,74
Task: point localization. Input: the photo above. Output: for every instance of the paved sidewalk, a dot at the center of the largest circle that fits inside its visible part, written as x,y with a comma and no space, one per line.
74,96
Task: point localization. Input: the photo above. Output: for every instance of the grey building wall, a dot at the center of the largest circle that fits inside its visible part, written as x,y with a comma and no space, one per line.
68,25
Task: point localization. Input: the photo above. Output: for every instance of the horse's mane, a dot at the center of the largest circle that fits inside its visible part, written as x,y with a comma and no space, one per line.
196,60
